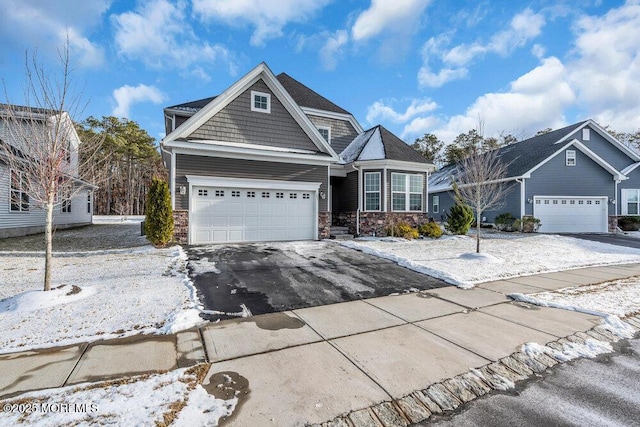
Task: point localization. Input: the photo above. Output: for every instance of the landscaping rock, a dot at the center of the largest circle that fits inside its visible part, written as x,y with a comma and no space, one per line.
517,366
443,397
389,415
596,336
413,409
459,389
576,339
427,402
338,422
497,382
502,370
603,331
534,364
364,418
475,383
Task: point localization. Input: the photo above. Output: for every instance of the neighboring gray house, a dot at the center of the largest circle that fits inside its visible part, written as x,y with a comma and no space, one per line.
575,179
19,215
270,159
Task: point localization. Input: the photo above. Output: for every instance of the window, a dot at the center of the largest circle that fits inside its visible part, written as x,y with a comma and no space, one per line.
251,194
279,195
372,191
586,134
19,199
630,201
570,157
260,102
265,194
306,196
406,192
202,192
293,195
219,193
89,210
235,194
325,131
66,202
436,204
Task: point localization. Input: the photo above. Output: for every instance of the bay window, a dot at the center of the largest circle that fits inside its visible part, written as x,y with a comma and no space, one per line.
406,192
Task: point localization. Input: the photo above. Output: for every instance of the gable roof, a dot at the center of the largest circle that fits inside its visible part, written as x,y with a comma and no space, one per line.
192,106
306,97
378,143
216,104
523,157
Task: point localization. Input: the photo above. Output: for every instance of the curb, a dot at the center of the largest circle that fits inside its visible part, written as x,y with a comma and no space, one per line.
445,397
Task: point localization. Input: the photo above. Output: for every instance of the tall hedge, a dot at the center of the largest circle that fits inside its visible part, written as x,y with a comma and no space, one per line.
159,218
460,216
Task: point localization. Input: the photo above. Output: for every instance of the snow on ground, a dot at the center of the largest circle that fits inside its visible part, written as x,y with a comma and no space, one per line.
117,219
99,295
144,400
504,255
620,297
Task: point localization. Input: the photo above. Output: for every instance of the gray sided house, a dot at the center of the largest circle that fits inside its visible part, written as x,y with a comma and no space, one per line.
20,215
270,159
575,179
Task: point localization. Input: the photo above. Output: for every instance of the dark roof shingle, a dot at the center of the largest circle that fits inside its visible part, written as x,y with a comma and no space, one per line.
305,97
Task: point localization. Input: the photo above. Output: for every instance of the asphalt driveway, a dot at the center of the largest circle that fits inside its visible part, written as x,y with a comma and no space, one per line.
612,239
271,277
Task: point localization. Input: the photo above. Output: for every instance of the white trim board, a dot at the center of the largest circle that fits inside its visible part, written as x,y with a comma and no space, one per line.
207,181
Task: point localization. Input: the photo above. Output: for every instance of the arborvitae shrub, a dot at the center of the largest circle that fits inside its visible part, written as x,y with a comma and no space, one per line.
460,216
159,218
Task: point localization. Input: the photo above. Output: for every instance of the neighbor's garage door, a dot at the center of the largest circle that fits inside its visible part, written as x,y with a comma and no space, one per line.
571,214
251,215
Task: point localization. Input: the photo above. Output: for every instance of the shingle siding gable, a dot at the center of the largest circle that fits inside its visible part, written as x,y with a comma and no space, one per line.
238,124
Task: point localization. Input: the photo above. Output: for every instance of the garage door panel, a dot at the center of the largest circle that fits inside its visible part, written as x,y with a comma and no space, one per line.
238,215
571,214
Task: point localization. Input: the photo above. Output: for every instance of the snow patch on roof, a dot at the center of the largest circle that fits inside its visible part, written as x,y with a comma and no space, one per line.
353,150
374,148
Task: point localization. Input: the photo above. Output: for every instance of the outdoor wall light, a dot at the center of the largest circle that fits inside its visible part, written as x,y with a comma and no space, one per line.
529,200
613,201
183,190
323,195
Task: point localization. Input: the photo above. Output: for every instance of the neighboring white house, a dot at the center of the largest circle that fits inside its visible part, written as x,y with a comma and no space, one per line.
19,214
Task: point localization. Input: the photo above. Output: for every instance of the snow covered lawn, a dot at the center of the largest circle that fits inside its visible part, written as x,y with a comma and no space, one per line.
99,295
175,398
452,258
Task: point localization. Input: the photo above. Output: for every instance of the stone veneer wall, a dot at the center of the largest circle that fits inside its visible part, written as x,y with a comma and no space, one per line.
613,224
376,222
324,225
181,227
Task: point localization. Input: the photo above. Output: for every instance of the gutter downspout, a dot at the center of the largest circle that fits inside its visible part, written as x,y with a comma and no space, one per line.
172,176
359,200
523,194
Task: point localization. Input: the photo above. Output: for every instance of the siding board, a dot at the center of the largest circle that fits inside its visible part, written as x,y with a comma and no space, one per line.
248,169
237,123
342,132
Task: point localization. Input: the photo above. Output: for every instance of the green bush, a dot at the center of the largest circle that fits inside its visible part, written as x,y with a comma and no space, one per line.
460,216
504,221
159,218
430,229
402,229
527,224
629,223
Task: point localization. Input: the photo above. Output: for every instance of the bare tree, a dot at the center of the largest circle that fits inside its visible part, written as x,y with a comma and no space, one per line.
40,145
482,185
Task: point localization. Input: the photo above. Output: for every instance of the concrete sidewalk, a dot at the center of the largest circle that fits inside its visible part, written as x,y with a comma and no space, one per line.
311,365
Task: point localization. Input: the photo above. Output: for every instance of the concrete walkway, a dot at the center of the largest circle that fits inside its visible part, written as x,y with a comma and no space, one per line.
311,365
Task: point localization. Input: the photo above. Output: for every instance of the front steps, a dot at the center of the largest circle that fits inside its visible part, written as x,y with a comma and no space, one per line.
340,233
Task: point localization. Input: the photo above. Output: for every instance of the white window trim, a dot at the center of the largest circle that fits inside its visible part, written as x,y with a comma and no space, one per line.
328,129
568,156
20,190
255,93
625,204
366,192
436,204
89,203
407,192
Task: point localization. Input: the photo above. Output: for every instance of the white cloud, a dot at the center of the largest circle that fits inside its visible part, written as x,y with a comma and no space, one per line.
333,48
606,68
384,15
524,27
47,25
380,111
534,101
158,34
126,96
268,17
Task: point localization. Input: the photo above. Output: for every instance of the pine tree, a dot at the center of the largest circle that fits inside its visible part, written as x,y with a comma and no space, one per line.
159,218
460,216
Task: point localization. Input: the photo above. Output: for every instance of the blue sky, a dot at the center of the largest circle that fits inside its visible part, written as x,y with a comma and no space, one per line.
414,66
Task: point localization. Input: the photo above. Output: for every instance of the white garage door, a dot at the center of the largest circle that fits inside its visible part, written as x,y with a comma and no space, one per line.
227,214
571,214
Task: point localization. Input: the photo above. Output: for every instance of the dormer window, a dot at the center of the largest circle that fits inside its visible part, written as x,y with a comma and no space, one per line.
260,102
570,157
586,134
325,131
